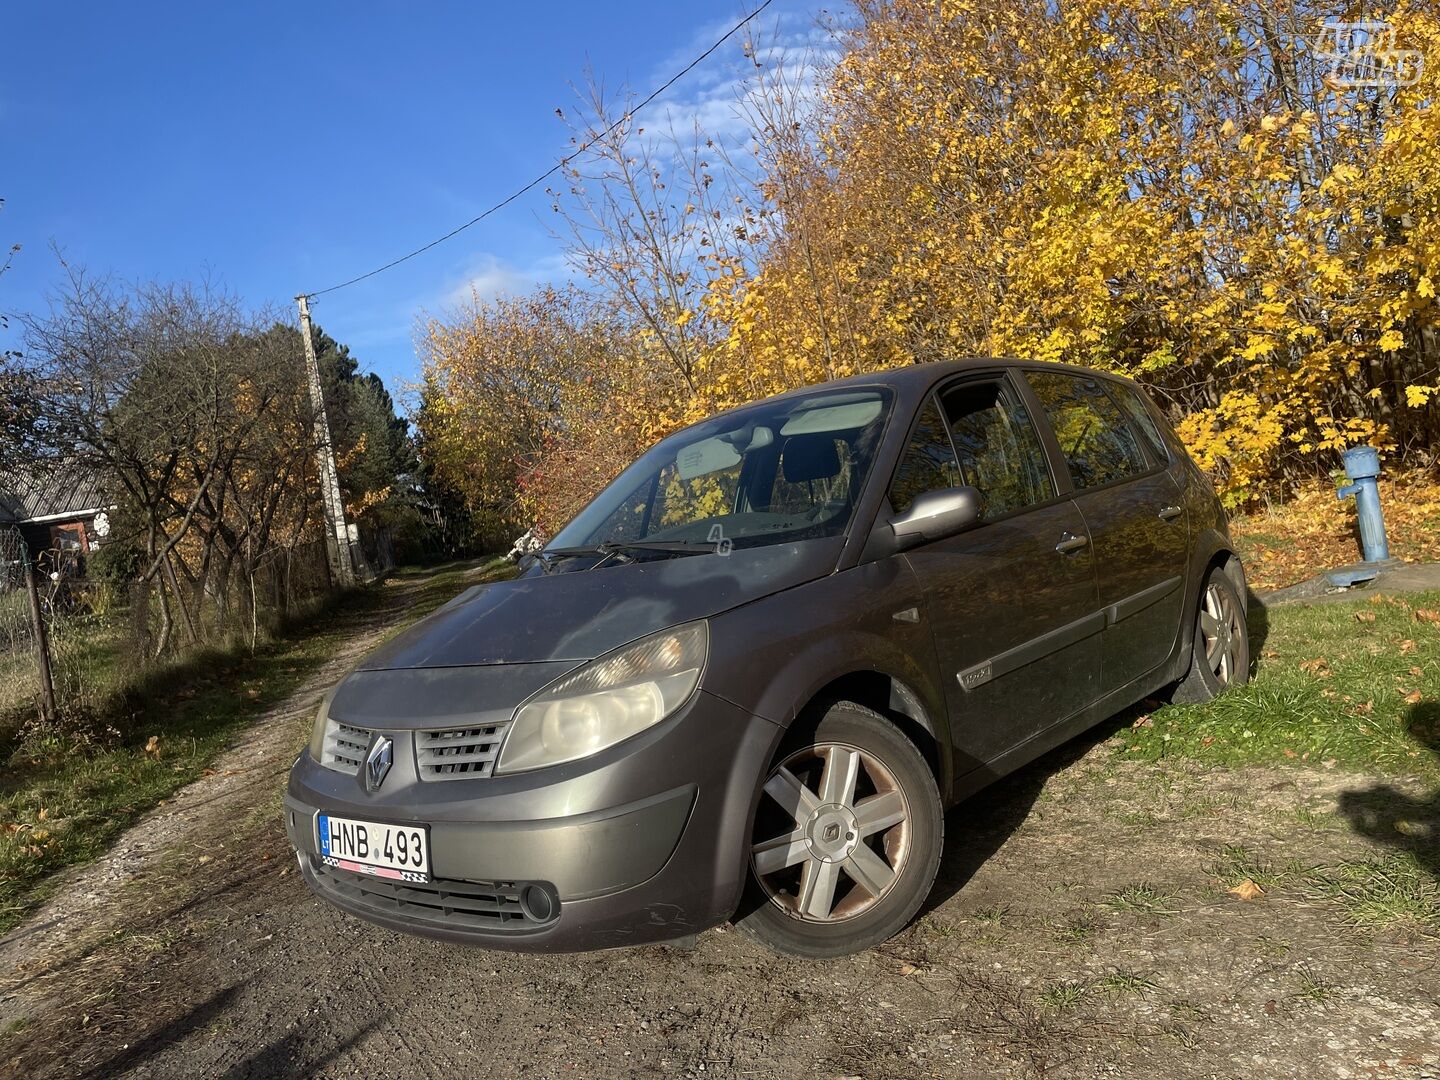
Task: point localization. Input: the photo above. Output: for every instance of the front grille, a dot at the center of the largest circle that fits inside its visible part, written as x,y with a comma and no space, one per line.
345,746
459,754
473,905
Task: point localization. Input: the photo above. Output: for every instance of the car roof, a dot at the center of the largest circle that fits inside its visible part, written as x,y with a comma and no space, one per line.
912,380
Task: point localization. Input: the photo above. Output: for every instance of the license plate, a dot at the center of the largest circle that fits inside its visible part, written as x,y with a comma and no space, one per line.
397,852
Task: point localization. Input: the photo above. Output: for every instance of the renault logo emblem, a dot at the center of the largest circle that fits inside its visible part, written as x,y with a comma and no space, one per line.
378,761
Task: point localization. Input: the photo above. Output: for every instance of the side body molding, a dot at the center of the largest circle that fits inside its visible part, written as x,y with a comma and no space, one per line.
1035,649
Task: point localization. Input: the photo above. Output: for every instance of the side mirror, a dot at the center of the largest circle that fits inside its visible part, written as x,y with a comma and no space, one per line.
936,515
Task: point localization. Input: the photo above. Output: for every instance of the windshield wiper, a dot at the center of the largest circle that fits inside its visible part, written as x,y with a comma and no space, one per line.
684,547
611,548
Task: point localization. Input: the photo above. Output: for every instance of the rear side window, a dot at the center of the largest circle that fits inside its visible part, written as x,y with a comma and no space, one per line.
928,463
1099,445
1135,406
1000,453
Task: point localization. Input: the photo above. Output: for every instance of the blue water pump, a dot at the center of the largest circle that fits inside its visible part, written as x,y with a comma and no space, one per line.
1362,466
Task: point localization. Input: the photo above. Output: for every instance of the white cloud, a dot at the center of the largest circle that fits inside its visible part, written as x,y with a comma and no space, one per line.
794,49
487,276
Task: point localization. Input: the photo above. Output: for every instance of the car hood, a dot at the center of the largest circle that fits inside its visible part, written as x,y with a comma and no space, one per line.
578,615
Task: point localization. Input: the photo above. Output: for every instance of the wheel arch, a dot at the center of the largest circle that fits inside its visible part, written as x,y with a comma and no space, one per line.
1213,551
895,700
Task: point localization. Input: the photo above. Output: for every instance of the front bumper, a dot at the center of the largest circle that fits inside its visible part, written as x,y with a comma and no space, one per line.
644,842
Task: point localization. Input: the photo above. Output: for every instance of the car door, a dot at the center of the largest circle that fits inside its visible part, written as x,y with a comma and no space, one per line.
1011,602
1134,510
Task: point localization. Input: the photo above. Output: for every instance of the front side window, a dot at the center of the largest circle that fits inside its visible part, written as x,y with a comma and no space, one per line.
773,473
1098,443
928,463
1000,453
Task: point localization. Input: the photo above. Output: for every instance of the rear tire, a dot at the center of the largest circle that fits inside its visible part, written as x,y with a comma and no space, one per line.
847,838
1220,654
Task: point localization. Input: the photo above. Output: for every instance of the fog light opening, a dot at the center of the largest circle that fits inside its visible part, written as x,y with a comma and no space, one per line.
538,904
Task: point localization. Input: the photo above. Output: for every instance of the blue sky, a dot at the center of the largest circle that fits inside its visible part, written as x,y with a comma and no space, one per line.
282,148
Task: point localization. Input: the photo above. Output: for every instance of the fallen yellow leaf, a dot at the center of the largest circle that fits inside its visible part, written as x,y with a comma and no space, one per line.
1247,890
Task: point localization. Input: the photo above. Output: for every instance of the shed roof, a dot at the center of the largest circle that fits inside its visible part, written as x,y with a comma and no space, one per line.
49,490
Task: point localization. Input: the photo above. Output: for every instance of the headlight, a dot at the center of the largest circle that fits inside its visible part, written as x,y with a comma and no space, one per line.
607,700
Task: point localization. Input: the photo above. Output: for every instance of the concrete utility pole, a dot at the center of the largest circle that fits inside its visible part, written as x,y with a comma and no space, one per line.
338,542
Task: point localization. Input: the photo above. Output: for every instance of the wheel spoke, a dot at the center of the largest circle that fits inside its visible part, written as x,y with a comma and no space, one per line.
1212,645
842,770
817,888
794,797
1214,602
868,870
780,852
1209,623
838,796
879,812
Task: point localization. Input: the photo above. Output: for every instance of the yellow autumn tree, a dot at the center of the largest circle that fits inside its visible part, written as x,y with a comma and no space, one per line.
1191,193
530,404
1176,191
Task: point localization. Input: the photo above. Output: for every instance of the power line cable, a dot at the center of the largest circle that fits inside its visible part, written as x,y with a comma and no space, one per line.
629,114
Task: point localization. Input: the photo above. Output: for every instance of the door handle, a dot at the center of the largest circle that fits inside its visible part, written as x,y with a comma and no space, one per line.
1070,542
1169,513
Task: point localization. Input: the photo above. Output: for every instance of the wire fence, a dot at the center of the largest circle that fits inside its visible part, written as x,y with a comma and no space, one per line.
100,636
19,669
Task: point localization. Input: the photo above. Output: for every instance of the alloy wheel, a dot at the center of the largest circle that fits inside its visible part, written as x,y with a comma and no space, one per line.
1223,632
833,833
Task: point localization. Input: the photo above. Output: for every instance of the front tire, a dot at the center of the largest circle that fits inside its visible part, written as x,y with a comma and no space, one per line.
1220,656
847,838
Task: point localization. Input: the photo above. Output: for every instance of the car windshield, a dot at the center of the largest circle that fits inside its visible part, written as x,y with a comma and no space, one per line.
772,473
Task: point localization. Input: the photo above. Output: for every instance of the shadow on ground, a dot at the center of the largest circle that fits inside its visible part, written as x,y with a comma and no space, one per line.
289,1057
1257,621
977,828
199,1017
1393,818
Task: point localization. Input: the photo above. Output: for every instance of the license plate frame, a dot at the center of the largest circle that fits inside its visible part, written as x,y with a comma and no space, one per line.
342,849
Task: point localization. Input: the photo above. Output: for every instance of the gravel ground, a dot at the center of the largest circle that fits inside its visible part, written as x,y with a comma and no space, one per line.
1082,926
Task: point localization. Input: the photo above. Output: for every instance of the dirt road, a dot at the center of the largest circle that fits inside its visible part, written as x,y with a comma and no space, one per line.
1082,927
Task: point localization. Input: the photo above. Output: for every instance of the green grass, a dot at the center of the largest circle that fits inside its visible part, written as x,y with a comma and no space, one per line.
1353,684
1236,864
1062,995
61,808
1382,892
1117,984
1077,929
1314,988
993,915
1144,900
1120,984
1393,888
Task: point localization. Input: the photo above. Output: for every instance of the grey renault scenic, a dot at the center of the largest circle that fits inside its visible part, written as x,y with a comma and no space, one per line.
746,681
